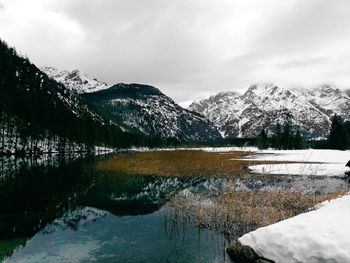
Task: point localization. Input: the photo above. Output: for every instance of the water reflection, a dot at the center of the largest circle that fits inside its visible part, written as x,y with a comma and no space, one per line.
11,165
70,213
146,238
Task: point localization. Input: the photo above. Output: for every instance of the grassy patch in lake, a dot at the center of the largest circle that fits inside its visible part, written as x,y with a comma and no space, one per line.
176,163
180,163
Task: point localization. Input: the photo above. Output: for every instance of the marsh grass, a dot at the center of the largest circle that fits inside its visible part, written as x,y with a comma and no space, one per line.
239,212
175,163
178,163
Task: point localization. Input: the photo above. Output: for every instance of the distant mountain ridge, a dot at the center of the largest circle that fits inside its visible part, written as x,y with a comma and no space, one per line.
265,105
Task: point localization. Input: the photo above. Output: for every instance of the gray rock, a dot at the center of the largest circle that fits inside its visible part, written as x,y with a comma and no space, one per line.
241,253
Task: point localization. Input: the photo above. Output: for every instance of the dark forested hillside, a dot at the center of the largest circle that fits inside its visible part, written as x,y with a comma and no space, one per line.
38,114
145,109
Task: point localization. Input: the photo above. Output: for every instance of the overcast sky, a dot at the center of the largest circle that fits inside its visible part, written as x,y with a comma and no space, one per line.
186,48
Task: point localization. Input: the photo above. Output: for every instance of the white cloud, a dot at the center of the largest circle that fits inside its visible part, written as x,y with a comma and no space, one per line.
186,48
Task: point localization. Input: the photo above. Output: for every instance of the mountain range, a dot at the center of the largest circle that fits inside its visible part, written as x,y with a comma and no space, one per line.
263,106
145,109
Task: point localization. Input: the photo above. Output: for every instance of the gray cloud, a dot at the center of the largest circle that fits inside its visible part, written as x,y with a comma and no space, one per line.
305,26
302,62
186,48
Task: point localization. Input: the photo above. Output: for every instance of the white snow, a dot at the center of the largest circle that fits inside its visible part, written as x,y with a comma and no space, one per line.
205,149
321,235
324,169
311,162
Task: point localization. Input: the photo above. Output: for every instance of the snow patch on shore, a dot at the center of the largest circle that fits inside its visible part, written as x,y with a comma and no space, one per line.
305,162
310,169
321,235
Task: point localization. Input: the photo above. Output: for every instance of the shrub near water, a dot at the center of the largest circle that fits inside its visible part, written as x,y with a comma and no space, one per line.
239,212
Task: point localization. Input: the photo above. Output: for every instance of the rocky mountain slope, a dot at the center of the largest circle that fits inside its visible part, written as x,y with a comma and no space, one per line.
263,106
145,109
75,80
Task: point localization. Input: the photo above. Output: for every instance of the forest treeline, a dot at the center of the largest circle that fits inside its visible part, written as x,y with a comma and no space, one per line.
285,137
37,114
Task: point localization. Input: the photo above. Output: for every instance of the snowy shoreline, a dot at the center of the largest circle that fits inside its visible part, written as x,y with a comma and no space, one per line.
301,162
320,235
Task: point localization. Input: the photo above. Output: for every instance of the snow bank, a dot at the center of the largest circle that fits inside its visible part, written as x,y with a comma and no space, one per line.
324,169
318,162
321,235
206,149
310,155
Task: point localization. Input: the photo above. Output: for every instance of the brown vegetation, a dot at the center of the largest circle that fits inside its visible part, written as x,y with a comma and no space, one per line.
239,212
175,163
179,163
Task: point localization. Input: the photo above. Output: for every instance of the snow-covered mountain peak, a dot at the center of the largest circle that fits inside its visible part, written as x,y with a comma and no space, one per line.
263,90
225,94
263,106
75,80
330,99
326,90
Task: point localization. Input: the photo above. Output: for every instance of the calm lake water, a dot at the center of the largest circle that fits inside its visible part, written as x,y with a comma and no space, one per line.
59,210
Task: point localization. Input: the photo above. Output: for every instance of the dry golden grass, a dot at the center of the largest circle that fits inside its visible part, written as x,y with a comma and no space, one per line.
238,212
178,163
175,163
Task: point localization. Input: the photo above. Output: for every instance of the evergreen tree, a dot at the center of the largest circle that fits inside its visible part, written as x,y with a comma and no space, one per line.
337,137
276,138
286,140
298,141
262,140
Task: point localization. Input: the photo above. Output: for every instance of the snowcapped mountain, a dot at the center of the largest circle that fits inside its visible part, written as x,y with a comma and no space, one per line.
145,109
75,80
263,106
330,99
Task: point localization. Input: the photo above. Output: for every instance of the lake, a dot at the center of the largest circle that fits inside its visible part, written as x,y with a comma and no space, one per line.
64,210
